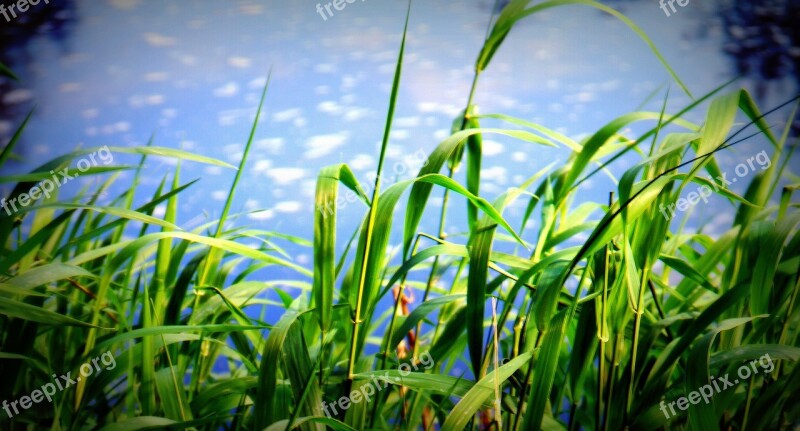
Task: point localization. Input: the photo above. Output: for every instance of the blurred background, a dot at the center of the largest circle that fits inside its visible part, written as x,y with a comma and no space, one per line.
190,72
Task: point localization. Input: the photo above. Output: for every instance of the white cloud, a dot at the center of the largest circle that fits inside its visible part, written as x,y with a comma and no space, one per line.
355,114
232,148
138,101
262,166
441,134
284,176
90,113
582,97
261,215
156,76
228,90
348,82
213,170
519,156
322,145
251,9
273,145
186,59
325,68
287,115
154,99
219,195
257,83
438,108
288,207
251,204
17,96
240,62
330,107
124,4
497,174
407,122
159,211
492,148
69,87
361,162
158,40
399,134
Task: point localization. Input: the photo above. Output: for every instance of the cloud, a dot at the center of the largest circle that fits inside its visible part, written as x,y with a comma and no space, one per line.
124,4
497,174
240,62
17,96
322,145
154,99
158,40
438,108
118,127
330,107
582,97
284,176
138,101
288,207
228,90
262,166
69,87
287,115
261,215
257,83
407,122
492,148
273,145
399,134
325,68
361,162
251,9
355,114
213,170
156,76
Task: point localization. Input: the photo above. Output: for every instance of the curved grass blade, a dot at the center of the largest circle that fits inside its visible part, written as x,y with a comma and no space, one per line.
475,398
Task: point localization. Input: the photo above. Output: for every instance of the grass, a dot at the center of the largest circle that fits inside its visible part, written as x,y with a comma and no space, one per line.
604,310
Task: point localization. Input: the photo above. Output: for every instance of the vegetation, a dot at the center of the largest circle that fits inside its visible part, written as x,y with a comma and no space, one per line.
604,310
